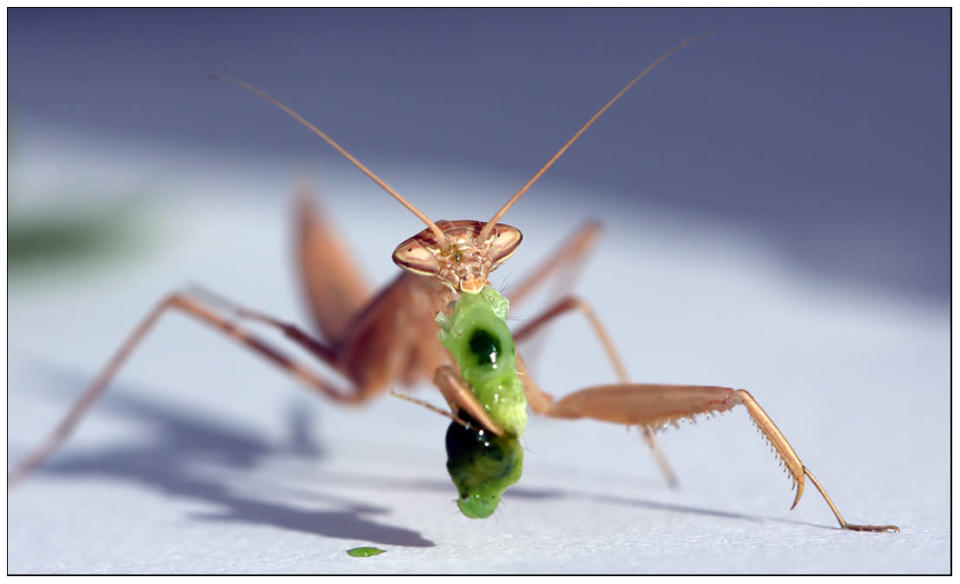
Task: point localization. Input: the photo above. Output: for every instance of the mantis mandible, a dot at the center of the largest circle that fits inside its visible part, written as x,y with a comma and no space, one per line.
439,319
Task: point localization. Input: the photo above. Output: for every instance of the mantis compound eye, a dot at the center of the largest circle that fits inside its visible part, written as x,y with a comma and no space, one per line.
413,256
506,239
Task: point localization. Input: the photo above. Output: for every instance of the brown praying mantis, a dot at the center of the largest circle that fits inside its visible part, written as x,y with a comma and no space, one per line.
377,341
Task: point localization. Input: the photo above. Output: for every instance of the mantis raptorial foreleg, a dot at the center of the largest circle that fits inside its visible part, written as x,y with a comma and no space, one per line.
192,307
459,397
429,406
654,405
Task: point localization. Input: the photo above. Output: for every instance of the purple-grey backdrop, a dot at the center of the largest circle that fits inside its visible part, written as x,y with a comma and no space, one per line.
824,131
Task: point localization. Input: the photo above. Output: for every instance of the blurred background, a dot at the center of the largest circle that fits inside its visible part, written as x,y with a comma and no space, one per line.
824,133
775,201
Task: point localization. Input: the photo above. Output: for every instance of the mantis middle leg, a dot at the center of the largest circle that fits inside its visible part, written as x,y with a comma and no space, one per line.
571,303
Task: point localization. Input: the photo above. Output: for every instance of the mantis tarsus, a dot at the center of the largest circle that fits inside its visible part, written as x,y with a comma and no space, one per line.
377,341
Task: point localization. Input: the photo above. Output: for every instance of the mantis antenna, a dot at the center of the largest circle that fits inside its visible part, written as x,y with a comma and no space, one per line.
490,224
441,238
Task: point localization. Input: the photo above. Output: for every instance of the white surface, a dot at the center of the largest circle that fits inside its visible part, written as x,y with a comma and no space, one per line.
204,459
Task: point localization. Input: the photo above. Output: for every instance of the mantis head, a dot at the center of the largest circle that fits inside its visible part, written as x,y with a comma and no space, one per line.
463,257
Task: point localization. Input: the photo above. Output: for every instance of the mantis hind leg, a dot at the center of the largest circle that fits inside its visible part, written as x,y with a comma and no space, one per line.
333,288
653,406
571,303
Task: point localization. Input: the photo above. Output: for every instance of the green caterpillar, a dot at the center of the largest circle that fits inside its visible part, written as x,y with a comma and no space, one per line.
482,465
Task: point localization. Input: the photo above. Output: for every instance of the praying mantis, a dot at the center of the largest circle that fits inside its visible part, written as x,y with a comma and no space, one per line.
439,319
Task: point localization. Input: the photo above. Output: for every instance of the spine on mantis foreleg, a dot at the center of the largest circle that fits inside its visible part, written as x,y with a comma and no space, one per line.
481,464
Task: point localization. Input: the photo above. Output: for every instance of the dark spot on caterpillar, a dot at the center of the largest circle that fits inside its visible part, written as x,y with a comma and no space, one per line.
485,346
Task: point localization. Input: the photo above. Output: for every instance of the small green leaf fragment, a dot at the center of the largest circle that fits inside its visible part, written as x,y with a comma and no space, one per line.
364,552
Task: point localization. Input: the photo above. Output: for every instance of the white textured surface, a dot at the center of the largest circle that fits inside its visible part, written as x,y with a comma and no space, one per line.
203,459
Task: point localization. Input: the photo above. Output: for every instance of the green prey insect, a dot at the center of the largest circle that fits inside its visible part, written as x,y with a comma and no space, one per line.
481,464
